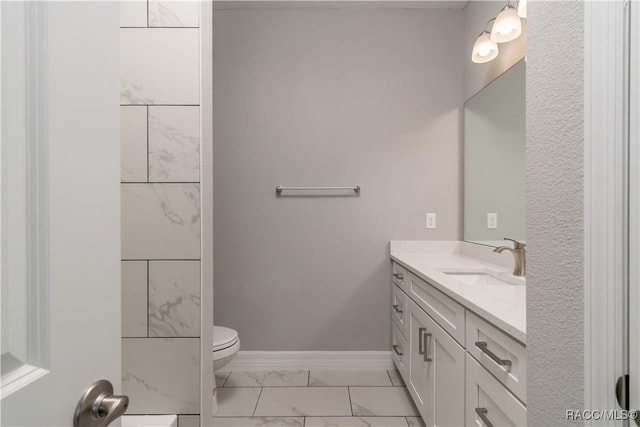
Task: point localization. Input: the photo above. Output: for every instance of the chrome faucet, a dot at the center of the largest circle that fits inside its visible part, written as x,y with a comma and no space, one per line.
518,252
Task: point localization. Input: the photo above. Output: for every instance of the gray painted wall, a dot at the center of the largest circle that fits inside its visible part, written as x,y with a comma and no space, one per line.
329,97
555,108
477,76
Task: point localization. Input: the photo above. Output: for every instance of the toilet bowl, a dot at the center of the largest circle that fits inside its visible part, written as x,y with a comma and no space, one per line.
225,345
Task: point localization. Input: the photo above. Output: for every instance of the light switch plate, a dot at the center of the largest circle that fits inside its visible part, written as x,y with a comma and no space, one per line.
431,220
492,220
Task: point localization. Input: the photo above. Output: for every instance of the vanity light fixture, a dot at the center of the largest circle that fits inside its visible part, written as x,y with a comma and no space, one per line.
507,26
484,49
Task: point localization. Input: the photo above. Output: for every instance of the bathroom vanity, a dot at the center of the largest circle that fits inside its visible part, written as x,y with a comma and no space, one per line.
459,333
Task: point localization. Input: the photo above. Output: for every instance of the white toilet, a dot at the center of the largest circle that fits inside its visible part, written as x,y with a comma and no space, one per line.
225,345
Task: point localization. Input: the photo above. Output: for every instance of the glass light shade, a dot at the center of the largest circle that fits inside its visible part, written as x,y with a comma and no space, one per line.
484,49
507,26
522,9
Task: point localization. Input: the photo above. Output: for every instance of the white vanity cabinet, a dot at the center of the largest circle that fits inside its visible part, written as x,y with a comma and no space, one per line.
459,368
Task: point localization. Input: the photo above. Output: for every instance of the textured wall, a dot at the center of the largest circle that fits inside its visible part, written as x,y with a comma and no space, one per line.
329,97
160,96
477,76
555,312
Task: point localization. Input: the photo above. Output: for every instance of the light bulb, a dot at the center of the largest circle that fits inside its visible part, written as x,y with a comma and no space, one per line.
507,26
522,9
484,49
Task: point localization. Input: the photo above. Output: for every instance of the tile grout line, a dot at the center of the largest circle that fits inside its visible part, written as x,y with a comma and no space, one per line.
148,297
159,259
157,182
309,378
350,402
257,401
162,338
158,28
313,387
159,105
148,165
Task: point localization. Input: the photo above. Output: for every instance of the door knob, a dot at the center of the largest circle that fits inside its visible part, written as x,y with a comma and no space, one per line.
622,396
98,407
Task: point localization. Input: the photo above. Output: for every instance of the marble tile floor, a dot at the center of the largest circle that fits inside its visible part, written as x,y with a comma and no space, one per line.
316,398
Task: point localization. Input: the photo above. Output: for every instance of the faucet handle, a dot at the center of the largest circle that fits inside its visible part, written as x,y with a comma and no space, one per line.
516,244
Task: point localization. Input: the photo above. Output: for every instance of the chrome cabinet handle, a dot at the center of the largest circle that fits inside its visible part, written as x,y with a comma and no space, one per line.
482,346
398,276
421,340
422,334
482,413
395,348
396,307
426,351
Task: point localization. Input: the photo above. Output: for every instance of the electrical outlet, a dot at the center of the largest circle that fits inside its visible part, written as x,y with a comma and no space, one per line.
492,220
431,220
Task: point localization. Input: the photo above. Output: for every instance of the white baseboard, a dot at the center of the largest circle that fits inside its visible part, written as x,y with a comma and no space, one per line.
305,360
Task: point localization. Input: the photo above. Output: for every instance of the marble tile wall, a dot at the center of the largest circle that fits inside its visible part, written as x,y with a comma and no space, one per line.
160,199
161,375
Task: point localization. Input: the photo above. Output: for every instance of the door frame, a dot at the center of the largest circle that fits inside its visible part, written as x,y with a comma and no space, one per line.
634,204
606,202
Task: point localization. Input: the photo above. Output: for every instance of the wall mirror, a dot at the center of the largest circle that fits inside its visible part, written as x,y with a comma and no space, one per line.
494,160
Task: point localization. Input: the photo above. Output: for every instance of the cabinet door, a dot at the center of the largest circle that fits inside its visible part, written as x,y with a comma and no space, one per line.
419,369
436,371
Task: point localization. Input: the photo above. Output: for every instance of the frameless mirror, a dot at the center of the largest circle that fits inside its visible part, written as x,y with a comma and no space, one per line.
494,160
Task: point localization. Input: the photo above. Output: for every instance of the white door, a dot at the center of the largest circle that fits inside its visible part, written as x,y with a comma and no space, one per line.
60,210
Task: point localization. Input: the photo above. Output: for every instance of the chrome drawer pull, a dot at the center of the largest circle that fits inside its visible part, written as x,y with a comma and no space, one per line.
395,348
482,413
483,348
398,276
396,307
426,352
421,340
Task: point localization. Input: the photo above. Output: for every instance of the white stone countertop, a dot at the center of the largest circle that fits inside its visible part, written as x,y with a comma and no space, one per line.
502,305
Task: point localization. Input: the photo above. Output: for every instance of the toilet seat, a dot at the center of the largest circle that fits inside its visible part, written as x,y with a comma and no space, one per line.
223,338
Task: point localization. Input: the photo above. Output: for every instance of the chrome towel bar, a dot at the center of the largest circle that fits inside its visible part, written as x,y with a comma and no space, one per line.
280,189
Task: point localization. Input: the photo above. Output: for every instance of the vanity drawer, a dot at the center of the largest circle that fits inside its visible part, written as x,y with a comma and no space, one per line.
445,311
399,275
399,351
399,309
488,402
495,350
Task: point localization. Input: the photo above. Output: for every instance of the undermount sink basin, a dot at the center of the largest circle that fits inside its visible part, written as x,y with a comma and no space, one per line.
481,278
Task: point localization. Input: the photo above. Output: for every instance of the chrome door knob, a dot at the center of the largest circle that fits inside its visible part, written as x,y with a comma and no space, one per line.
98,407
